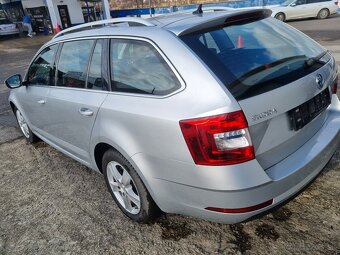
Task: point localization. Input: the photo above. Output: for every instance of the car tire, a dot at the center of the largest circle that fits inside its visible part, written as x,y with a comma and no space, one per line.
280,16
25,129
323,14
127,188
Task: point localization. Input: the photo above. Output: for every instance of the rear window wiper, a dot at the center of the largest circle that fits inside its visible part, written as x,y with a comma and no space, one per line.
311,61
270,65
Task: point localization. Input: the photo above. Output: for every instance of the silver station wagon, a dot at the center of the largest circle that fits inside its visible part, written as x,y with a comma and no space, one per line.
217,115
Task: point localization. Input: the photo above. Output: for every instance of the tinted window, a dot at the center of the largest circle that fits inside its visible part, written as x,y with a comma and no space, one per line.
316,1
137,67
209,42
255,57
73,63
41,72
94,79
300,2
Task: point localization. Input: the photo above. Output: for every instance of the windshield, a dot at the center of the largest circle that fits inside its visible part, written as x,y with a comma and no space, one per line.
255,57
288,2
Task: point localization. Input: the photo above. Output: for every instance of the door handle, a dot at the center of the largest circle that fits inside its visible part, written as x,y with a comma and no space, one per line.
42,101
85,111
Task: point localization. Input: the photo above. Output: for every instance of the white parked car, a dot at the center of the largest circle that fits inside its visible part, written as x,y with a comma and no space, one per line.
8,28
299,9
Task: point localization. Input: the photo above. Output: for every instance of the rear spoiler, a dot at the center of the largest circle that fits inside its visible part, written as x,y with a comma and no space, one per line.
228,19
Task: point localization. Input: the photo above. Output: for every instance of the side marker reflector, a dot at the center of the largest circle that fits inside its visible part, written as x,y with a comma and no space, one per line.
241,210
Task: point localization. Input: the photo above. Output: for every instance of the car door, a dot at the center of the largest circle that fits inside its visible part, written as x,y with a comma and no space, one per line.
79,92
312,7
32,97
296,9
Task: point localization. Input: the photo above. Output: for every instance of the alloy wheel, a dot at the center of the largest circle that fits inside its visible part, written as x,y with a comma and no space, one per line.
323,14
280,17
123,187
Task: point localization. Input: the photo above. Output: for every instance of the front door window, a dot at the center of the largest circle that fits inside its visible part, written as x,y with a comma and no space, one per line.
41,72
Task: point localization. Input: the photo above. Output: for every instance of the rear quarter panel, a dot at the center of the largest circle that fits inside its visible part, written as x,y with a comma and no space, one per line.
140,124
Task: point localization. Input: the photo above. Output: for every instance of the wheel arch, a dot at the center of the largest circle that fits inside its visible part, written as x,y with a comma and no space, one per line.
13,107
98,152
279,13
15,104
323,8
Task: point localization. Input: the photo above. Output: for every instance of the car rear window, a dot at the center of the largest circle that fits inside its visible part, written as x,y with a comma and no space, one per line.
254,57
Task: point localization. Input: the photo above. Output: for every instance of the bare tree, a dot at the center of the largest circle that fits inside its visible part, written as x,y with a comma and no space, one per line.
139,3
125,4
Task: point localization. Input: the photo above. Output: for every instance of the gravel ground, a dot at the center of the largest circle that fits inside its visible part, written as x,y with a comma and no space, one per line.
51,204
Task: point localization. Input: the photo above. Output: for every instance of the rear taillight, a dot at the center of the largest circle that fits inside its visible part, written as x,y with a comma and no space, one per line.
335,86
218,140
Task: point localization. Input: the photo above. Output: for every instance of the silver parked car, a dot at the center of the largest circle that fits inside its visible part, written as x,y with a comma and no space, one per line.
301,9
8,28
217,115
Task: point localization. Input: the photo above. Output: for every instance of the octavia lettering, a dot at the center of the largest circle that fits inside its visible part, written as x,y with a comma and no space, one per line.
265,114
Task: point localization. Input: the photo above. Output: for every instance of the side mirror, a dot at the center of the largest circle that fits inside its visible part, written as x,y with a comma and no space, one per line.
14,81
293,4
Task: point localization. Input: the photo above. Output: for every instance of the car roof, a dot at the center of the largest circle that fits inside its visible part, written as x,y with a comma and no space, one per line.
178,24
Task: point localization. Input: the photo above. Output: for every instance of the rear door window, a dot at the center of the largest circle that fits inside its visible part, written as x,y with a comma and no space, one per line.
95,79
137,67
300,2
73,63
317,1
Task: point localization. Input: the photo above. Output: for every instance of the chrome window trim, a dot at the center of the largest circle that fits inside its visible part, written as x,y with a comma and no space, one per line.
166,59
79,89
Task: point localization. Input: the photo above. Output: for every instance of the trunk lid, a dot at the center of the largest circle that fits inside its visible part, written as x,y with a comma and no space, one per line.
269,116
279,76
8,26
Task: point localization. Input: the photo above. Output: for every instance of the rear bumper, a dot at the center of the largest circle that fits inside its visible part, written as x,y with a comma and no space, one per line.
9,32
280,182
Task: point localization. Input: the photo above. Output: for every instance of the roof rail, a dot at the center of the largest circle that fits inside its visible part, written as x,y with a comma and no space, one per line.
204,9
129,20
218,9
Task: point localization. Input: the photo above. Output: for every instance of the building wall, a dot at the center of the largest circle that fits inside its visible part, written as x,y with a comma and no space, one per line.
32,3
74,10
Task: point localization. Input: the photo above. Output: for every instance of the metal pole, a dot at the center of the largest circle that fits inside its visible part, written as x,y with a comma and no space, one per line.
150,8
106,9
53,16
88,11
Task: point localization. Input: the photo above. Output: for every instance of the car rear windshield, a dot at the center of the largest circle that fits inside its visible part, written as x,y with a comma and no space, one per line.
255,57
